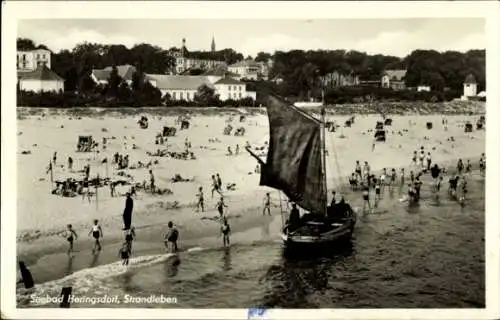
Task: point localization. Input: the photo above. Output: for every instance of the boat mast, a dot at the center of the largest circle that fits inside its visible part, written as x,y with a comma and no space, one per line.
323,153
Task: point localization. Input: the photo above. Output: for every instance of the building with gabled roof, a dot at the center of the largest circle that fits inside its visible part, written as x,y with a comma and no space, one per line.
101,76
394,79
42,79
230,88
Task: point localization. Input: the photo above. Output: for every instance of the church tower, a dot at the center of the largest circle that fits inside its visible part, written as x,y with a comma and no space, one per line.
183,47
213,44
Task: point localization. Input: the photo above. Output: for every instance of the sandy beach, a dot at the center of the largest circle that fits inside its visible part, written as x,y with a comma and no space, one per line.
42,215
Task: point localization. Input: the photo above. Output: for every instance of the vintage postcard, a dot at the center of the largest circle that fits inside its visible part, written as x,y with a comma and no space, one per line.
250,160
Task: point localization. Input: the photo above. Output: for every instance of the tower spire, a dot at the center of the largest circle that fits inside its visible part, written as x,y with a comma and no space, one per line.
213,43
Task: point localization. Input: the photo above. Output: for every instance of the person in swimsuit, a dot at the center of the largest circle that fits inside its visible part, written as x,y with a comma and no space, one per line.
85,189
482,164
219,182
429,160
70,163
383,179
393,178
421,157
200,203
220,206
411,193
225,231
54,158
357,169
468,167
267,204
366,169
124,254
215,186
377,192
414,158
171,238
464,191
402,176
460,166
96,232
366,199
152,181
129,237
71,236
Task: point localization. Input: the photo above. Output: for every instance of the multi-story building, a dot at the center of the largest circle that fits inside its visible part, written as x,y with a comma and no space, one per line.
30,60
183,62
249,69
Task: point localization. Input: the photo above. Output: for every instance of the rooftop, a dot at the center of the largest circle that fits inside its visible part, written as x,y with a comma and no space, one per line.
172,82
245,63
41,73
470,79
124,71
219,71
397,75
228,80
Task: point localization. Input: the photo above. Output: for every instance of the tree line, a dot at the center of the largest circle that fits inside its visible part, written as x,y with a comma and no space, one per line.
301,71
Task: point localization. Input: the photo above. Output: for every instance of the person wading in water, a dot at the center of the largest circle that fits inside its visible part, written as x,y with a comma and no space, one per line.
96,232
225,232
71,236
220,206
267,204
26,277
171,238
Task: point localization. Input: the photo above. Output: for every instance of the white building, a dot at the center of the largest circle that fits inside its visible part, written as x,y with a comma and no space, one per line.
30,60
183,62
247,69
421,88
470,87
229,88
41,79
101,76
178,87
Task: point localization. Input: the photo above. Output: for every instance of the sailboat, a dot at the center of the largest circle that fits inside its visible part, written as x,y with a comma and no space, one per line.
296,166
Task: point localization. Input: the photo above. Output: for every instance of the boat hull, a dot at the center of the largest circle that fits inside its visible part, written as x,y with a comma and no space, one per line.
335,234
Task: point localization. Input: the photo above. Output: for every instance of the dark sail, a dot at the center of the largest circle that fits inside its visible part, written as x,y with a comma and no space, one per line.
294,158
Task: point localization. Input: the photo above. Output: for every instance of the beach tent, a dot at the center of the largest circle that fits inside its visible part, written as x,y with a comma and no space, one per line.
380,135
429,125
388,122
468,127
379,125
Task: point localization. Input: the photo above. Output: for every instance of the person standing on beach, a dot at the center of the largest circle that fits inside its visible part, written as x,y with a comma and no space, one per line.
86,190
383,180
402,176
219,182
393,178
225,231
357,169
26,277
377,192
366,199
54,158
468,167
334,200
267,204
215,186
414,158
71,236
200,203
366,169
171,238
460,166
127,213
70,163
237,150
482,165
429,160
421,157
152,181
96,232
220,206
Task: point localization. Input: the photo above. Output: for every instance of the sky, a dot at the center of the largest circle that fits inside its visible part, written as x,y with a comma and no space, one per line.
396,37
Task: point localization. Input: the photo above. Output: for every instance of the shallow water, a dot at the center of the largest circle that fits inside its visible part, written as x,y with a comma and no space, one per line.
428,256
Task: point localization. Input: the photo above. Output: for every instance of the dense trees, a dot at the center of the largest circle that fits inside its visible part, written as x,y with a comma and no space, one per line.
302,72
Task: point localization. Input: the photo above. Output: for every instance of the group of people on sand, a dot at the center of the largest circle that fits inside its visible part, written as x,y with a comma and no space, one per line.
236,150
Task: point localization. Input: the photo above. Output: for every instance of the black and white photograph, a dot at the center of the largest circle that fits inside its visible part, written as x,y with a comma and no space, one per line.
315,160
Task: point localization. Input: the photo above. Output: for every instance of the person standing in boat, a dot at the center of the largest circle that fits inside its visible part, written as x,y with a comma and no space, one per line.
267,204
366,199
96,232
294,220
